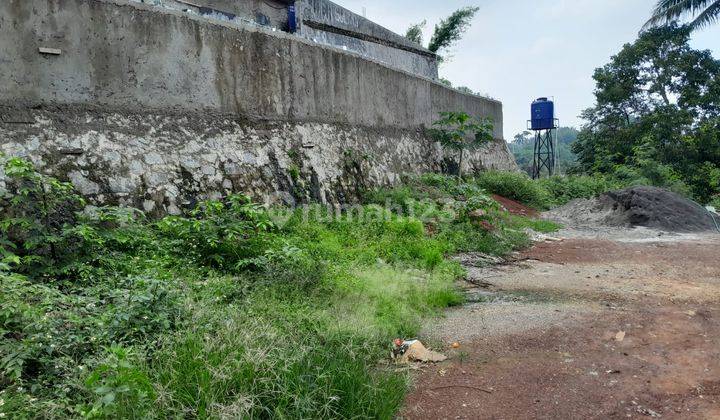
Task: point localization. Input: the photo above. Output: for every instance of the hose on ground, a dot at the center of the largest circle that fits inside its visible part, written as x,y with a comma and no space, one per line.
712,215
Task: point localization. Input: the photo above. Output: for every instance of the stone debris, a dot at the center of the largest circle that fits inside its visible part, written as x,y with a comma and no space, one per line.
478,259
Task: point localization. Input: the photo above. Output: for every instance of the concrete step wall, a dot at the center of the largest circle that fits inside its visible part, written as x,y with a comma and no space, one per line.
138,106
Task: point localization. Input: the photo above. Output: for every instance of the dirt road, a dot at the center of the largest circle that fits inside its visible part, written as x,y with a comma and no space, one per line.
583,328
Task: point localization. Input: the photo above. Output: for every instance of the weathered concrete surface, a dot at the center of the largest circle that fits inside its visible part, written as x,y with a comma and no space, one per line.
162,163
244,11
275,10
320,21
329,13
156,109
328,23
133,57
386,54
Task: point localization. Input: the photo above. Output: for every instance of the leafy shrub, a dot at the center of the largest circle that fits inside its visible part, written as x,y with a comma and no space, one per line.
121,389
566,188
48,333
648,172
35,209
715,202
459,132
139,309
229,234
44,330
516,186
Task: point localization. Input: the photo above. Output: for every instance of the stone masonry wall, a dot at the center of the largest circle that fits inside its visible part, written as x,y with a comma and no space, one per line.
163,163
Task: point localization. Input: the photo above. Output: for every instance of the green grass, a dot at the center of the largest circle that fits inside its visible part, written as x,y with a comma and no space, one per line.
224,313
546,193
538,225
516,186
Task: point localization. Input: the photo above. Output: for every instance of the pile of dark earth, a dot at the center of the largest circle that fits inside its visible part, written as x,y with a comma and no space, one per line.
649,207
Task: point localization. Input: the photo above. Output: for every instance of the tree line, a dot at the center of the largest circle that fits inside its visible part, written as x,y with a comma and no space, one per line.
656,117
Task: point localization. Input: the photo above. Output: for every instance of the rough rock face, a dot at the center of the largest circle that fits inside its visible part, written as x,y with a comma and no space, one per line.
650,207
162,163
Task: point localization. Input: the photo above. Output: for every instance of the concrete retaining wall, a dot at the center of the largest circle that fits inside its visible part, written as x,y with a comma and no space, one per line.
131,57
275,10
245,11
142,106
329,13
327,23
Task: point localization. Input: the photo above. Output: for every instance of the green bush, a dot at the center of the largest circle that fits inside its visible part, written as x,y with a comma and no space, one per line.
221,312
35,209
229,234
120,386
516,186
563,189
648,172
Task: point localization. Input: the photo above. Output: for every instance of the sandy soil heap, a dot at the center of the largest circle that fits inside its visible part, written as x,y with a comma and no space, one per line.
650,207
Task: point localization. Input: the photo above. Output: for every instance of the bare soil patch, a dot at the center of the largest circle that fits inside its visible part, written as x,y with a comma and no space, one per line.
583,328
514,207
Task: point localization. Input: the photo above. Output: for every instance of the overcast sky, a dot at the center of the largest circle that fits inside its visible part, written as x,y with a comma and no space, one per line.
518,50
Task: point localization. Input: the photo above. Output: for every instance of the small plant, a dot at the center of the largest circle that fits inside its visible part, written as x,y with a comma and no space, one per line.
715,202
447,32
294,172
459,132
294,155
122,390
221,234
35,210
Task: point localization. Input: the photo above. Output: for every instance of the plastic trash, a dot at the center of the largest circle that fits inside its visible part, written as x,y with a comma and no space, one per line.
407,351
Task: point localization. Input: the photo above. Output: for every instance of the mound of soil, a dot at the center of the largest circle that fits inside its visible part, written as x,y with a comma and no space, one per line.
514,207
650,207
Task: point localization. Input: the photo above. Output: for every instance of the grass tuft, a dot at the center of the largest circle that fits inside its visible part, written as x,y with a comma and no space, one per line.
222,312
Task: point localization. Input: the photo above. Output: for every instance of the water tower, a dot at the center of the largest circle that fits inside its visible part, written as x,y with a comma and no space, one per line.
543,123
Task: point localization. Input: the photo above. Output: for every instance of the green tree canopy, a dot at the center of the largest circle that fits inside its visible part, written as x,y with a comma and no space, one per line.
657,113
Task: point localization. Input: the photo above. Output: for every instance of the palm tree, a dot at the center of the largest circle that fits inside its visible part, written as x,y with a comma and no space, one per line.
703,12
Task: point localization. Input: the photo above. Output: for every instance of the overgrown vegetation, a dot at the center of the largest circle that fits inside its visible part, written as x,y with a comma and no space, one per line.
446,33
548,192
459,132
656,119
232,310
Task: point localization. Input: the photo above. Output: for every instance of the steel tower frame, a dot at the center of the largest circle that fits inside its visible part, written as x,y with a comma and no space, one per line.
544,153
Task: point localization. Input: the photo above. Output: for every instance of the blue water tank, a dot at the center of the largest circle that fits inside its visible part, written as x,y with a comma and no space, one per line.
542,114
292,19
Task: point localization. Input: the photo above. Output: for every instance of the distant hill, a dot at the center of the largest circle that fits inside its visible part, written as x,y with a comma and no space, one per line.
523,144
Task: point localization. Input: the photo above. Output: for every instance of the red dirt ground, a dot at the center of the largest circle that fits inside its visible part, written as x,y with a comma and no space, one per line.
514,207
574,367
